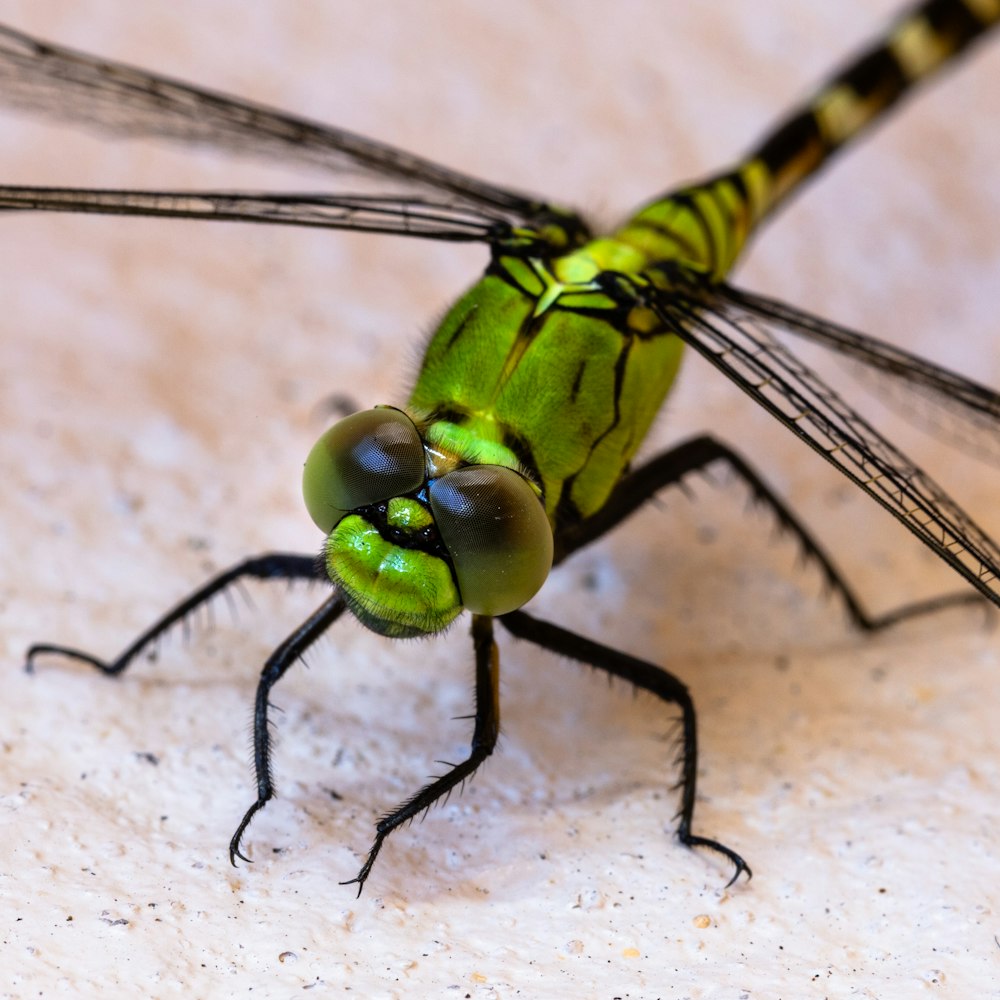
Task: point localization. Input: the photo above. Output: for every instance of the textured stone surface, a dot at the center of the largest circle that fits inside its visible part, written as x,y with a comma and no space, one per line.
159,390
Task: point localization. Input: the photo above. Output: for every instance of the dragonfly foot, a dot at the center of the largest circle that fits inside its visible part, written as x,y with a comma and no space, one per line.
741,867
45,649
234,844
366,869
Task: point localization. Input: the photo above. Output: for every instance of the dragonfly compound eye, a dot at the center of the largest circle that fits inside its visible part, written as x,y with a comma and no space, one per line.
363,459
496,532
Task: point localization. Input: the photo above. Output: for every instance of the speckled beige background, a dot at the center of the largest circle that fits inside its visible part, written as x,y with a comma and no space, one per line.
158,390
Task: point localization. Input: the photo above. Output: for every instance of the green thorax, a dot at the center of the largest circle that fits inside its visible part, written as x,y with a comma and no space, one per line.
537,366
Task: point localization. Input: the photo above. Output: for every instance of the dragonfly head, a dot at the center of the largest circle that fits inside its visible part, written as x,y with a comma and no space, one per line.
410,547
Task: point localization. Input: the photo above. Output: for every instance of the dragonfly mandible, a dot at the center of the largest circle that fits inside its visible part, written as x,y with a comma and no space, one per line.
516,446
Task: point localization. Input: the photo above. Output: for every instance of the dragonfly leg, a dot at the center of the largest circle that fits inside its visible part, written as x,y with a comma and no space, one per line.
273,566
648,677
697,453
484,738
274,669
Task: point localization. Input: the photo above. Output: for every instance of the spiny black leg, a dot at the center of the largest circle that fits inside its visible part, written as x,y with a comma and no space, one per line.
650,678
273,566
277,663
669,468
484,738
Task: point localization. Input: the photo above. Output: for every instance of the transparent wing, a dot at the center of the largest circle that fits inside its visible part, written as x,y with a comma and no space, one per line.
739,343
399,216
47,79
953,406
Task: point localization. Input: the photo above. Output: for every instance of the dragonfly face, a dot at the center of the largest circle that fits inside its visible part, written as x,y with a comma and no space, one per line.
413,536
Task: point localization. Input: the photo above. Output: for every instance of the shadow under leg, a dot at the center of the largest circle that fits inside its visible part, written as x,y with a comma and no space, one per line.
669,468
273,566
648,677
274,669
484,738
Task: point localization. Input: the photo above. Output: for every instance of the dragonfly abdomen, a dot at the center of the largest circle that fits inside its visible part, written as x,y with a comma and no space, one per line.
706,226
921,41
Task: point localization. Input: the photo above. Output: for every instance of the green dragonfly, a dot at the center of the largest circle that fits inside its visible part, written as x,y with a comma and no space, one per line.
515,448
